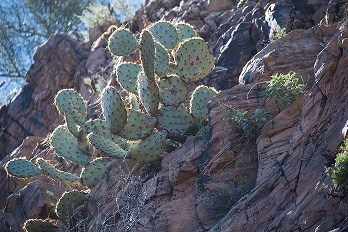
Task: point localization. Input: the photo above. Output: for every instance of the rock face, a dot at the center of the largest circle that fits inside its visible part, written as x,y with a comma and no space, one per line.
220,179
56,66
293,191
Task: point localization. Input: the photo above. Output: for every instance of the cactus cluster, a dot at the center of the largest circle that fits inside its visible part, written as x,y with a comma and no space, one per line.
170,58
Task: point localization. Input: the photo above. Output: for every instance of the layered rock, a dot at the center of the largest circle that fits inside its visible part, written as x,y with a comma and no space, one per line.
56,65
219,180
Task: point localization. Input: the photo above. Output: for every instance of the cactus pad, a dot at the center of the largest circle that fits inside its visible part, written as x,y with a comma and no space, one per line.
114,110
133,101
139,126
67,146
174,120
39,225
106,146
199,101
148,53
172,91
57,174
185,31
97,126
148,93
193,60
162,60
148,149
22,168
71,103
127,75
70,123
67,204
122,42
92,172
165,33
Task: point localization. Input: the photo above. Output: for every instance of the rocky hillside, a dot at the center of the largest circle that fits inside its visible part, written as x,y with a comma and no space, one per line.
220,179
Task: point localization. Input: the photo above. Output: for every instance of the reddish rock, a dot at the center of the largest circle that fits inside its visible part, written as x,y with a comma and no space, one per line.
32,112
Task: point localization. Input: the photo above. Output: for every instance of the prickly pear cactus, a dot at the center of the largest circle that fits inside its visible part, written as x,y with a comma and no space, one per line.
39,225
174,120
148,94
199,101
127,75
113,108
106,146
148,149
56,174
22,168
71,103
139,126
148,54
67,146
172,91
92,172
97,126
161,60
165,33
122,42
67,204
193,60
185,31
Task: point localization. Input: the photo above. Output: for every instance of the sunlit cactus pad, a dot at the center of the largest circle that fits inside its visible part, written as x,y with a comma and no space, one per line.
57,174
173,91
71,103
174,120
67,146
106,146
122,42
194,60
148,93
199,101
162,60
165,33
148,54
92,172
22,168
113,108
185,31
67,204
148,149
139,125
127,75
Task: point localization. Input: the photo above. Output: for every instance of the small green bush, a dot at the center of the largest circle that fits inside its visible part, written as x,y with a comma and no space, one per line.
339,173
279,34
284,88
250,124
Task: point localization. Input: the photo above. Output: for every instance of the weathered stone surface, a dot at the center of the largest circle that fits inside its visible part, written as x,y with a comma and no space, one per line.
296,194
297,52
36,200
9,185
56,66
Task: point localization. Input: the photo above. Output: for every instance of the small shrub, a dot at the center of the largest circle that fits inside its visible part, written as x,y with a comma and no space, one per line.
284,88
250,124
339,173
279,34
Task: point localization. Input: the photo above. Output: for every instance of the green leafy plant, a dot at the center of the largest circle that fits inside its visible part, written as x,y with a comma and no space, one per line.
284,88
249,124
339,173
279,34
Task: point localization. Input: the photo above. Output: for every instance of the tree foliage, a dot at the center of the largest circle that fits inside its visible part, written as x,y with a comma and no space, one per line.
25,24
